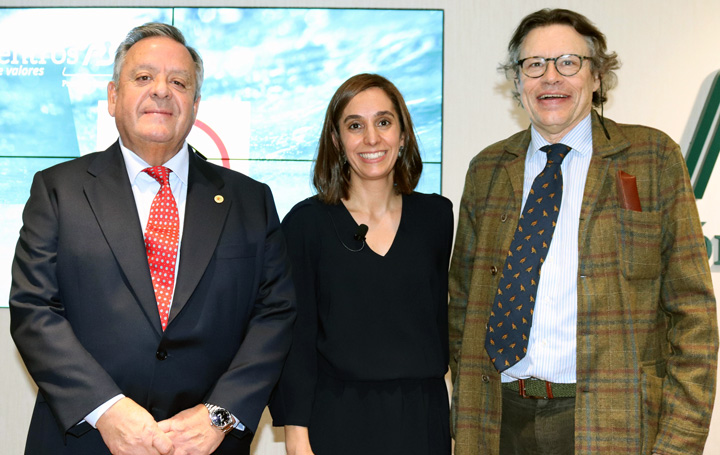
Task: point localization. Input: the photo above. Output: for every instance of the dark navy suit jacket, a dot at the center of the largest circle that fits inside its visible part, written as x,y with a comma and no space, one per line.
84,315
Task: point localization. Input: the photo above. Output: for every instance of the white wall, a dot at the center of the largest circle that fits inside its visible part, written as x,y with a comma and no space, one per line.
669,48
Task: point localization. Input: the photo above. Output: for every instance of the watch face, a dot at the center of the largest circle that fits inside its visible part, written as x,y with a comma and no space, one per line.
220,418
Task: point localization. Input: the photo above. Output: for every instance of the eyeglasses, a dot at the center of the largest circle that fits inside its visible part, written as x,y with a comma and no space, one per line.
567,65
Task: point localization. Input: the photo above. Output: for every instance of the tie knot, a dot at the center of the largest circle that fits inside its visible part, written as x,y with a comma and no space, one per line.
556,153
159,173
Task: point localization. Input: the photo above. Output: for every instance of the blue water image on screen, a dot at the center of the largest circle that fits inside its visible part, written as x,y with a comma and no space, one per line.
269,75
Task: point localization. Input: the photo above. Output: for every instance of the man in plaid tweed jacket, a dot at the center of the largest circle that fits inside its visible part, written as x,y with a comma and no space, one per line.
646,333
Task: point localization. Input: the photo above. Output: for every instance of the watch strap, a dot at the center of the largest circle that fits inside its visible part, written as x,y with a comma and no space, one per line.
213,409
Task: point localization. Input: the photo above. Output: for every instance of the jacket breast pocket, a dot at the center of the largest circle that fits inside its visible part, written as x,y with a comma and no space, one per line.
639,243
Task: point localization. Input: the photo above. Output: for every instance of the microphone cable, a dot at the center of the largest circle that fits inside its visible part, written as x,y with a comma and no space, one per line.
359,234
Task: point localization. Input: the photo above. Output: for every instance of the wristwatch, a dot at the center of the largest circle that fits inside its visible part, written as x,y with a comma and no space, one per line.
221,418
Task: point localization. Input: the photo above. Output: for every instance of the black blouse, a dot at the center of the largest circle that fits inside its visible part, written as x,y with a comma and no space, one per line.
362,316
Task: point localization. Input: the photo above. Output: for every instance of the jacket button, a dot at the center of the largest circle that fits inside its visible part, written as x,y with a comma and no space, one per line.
493,270
161,355
503,217
485,379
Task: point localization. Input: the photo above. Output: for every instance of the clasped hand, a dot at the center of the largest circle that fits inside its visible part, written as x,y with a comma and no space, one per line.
128,429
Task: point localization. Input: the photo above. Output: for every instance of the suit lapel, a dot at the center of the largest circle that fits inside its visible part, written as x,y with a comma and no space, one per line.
206,208
603,150
111,199
515,167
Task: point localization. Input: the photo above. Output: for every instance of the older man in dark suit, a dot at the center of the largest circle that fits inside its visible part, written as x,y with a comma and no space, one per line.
151,299
612,346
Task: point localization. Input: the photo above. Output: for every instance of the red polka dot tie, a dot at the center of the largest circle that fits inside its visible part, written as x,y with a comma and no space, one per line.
161,241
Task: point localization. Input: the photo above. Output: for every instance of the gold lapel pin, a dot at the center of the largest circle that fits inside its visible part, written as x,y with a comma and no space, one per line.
219,199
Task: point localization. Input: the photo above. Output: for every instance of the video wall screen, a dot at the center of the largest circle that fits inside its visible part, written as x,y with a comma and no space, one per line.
269,75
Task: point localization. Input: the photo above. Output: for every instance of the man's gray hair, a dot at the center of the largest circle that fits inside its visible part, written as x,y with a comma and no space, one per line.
603,63
149,30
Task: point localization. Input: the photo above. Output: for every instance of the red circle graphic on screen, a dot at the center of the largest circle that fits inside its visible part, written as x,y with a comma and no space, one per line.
218,142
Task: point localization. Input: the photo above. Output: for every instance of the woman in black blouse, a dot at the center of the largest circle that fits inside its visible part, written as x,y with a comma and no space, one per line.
365,374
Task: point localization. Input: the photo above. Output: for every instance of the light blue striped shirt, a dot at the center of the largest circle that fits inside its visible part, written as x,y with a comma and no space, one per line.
552,343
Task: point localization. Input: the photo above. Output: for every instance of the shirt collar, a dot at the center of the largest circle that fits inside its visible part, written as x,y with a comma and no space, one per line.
178,164
579,138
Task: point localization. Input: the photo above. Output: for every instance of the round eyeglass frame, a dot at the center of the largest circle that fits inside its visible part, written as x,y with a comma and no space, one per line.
546,60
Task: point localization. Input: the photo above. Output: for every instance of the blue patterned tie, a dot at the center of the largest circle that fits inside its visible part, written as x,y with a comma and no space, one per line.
508,329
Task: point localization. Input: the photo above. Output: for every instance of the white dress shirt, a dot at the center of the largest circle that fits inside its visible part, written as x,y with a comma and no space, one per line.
144,189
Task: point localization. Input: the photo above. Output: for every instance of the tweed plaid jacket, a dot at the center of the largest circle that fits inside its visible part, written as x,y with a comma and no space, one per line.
647,337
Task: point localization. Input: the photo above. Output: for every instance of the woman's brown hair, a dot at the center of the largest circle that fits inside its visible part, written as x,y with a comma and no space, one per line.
331,175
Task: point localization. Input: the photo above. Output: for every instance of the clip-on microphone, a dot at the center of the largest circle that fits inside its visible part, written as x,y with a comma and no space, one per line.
360,234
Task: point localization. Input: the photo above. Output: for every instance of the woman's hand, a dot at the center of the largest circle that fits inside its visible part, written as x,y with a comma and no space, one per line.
297,440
